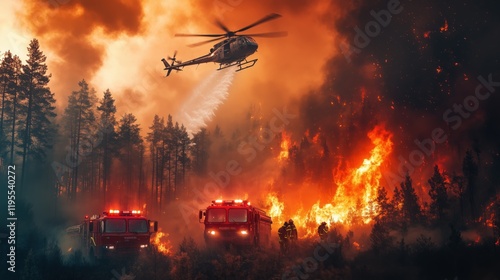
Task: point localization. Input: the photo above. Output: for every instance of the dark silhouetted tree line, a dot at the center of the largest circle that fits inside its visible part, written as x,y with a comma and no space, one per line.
27,119
170,156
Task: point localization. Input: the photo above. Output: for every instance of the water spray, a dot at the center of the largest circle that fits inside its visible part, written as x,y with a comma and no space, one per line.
200,107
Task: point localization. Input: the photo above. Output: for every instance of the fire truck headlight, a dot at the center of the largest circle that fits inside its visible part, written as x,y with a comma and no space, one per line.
244,232
212,232
110,247
144,246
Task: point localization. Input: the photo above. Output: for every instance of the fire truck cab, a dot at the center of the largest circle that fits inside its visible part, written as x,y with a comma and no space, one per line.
114,232
235,222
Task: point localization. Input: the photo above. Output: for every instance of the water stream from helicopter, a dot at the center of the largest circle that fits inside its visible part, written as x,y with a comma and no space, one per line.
200,107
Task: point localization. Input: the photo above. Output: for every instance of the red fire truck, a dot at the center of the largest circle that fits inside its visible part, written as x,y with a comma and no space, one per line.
113,232
235,222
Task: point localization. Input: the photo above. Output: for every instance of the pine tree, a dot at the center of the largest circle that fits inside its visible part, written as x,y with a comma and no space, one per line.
411,209
107,123
384,206
438,194
199,151
458,188
380,238
10,75
5,81
155,150
396,205
168,158
79,125
130,145
38,110
183,155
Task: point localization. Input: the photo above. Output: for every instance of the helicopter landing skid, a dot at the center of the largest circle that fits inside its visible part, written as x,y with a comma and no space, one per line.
241,65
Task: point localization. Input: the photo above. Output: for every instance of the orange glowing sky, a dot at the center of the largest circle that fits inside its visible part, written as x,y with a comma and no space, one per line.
119,44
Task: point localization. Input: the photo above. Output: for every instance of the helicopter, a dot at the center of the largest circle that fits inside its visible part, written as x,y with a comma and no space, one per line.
232,50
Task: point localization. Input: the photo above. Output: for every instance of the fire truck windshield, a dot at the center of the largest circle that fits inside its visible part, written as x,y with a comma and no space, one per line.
137,226
216,215
114,226
238,215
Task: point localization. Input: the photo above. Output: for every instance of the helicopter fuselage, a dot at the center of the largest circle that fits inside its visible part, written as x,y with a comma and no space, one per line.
233,49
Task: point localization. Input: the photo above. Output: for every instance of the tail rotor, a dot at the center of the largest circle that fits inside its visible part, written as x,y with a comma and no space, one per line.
171,66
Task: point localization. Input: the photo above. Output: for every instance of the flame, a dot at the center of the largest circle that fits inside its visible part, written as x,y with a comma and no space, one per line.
276,208
490,213
490,217
354,199
357,190
444,28
162,243
285,146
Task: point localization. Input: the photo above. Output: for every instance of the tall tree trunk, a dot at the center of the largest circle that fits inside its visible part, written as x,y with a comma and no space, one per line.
104,168
27,138
4,93
12,137
153,159
77,157
139,191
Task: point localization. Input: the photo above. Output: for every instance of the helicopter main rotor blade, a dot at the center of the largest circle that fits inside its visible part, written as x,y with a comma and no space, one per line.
223,27
262,20
268,34
199,35
205,42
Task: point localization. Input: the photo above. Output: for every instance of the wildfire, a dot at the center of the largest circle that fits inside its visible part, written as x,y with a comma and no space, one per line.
354,199
357,190
285,146
162,243
276,208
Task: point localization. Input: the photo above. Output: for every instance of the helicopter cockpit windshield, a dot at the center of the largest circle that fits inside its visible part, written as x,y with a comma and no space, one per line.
246,40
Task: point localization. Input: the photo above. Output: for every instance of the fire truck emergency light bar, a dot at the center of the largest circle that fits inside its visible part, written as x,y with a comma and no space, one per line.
124,213
230,202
